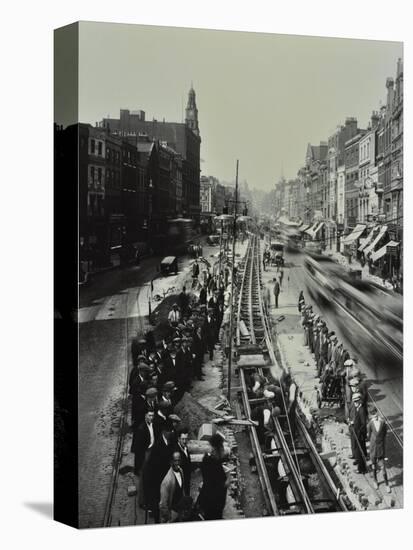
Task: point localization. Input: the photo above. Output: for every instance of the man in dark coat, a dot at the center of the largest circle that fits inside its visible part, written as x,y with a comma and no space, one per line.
195,273
180,373
170,365
209,333
154,471
203,295
198,349
160,420
182,448
276,290
376,435
136,377
183,300
188,362
143,440
358,433
138,404
214,304
323,359
138,347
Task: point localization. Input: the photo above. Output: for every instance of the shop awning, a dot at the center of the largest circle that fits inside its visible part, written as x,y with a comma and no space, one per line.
372,245
382,251
314,229
321,224
303,228
367,240
310,229
355,234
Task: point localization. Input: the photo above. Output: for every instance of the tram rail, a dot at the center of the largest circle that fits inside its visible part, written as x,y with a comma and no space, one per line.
122,430
255,338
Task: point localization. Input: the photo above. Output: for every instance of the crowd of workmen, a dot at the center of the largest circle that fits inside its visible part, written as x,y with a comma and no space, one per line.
341,377
162,372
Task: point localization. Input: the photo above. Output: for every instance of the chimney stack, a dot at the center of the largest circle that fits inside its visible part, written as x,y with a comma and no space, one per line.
374,119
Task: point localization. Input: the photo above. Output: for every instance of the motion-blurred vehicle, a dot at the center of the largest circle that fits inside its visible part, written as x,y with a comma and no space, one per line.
369,315
213,240
321,279
169,265
372,317
277,253
312,248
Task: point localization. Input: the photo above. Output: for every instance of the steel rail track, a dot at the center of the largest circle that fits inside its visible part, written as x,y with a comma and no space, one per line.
250,310
117,459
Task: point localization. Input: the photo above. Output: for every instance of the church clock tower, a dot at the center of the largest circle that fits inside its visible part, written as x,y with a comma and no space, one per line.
191,112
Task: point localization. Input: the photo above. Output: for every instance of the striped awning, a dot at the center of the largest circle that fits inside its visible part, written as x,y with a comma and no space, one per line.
382,251
355,234
311,229
314,229
367,240
372,246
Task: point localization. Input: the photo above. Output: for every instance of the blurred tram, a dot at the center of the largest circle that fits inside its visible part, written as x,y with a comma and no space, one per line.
370,316
176,237
180,234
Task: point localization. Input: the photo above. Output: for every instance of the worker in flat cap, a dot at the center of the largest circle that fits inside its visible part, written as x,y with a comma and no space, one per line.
175,423
151,399
167,392
161,420
323,358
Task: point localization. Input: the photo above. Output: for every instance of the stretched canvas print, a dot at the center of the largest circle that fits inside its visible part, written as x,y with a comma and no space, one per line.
228,275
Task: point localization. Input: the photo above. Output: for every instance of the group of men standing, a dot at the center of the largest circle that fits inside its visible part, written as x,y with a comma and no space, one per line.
161,373
338,372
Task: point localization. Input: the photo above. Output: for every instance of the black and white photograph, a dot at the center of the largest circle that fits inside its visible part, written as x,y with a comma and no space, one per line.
238,201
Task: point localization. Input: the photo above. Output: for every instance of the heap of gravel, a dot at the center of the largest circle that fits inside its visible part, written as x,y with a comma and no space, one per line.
192,414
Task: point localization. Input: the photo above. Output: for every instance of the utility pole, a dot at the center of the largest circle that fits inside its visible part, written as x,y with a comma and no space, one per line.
231,311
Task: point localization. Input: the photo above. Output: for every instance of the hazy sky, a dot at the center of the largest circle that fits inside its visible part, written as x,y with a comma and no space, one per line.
261,97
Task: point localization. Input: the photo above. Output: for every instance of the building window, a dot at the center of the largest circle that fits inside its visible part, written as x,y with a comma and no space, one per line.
99,175
92,146
100,148
92,173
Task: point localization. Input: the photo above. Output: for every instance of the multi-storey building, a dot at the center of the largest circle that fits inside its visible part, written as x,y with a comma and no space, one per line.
315,179
130,197
367,174
351,162
341,189
394,194
184,138
206,194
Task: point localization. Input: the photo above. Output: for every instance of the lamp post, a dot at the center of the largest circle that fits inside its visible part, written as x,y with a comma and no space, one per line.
231,316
